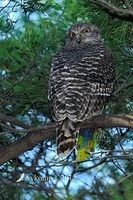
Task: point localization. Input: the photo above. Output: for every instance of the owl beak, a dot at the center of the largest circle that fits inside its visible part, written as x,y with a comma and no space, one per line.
78,39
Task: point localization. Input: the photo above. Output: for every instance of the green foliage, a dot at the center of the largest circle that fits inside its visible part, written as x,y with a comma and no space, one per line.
123,190
26,55
10,192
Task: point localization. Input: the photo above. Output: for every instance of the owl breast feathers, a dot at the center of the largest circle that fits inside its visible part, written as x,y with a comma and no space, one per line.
81,79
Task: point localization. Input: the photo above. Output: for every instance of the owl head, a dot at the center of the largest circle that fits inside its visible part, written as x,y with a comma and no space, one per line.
83,33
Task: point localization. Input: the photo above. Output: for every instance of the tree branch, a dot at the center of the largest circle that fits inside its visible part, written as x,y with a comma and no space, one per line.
114,9
36,135
5,118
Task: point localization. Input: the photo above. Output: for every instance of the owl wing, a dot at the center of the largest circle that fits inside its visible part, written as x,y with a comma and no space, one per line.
79,85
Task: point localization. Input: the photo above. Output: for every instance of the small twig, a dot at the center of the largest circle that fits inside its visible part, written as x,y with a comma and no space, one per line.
5,6
12,120
127,177
113,9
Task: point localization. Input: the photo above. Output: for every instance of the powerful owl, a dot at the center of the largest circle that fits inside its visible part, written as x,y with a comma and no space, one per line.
81,79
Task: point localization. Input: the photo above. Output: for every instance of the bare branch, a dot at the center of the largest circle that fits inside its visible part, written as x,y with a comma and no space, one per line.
2,8
5,118
36,135
114,9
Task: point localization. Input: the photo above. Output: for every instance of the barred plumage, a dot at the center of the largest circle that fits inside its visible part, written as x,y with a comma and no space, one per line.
81,79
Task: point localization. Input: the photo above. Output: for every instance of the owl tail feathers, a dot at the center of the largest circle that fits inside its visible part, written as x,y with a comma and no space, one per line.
66,138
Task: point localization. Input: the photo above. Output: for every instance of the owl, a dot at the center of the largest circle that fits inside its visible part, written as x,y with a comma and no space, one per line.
81,80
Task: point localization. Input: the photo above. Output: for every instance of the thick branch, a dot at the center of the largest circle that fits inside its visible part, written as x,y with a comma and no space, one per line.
114,9
36,135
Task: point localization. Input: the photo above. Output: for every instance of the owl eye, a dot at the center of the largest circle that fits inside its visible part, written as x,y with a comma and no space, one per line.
86,30
72,34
